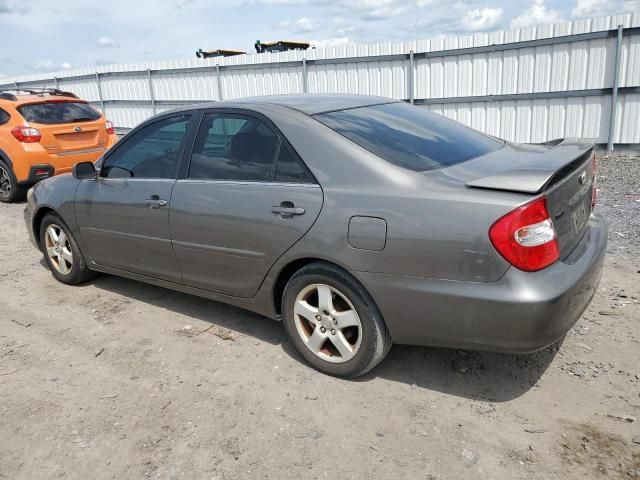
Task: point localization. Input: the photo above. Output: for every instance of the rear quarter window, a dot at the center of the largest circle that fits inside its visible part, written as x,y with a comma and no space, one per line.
4,117
52,113
409,136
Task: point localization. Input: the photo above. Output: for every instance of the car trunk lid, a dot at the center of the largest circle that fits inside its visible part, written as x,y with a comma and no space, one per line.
79,136
66,126
561,170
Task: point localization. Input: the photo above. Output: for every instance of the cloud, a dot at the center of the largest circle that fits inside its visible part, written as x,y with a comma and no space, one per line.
456,19
331,42
106,42
14,7
341,28
302,25
588,7
536,14
101,62
381,9
482,19
372,10
278,2
180,4
51,66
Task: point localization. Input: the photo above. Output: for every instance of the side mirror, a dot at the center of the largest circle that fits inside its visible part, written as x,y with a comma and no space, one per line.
84,171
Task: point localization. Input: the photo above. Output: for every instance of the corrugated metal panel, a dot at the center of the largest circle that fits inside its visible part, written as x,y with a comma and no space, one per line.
628,121
541,119
128,115
532,69
185,86
265,81
84,88
134,87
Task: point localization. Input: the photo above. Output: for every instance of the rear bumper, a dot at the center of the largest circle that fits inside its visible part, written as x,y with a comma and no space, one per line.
26,162
522,312
37,173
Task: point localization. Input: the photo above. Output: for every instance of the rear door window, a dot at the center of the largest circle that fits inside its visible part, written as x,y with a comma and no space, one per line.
52,113
4,117
289,168
233,147
409,136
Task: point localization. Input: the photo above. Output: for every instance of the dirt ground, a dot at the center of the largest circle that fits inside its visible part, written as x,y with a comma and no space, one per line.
121,380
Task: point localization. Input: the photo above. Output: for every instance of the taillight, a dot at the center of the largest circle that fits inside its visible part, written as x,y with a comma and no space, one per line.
526,237
110,129
26,134
594,193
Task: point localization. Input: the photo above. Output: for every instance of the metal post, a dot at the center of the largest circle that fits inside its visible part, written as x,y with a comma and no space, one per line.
16,85
219,82
56,83
614,93
151,94
411,78
100,92
305,76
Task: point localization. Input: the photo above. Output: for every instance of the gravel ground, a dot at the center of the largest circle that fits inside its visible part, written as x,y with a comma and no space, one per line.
618,181
117,379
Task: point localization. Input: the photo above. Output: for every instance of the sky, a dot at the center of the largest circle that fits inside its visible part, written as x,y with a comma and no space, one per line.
46,36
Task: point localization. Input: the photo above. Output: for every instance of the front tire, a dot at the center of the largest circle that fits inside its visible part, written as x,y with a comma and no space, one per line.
10,191
62,253
333,322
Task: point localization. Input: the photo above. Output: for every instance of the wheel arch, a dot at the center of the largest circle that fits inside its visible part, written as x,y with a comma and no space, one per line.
290,269
39,216
5,158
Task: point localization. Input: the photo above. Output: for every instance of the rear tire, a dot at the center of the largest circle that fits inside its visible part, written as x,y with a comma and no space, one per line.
333,322
62,253
10,191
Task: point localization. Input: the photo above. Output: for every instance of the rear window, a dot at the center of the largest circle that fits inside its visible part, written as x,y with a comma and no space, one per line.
58,112
408,136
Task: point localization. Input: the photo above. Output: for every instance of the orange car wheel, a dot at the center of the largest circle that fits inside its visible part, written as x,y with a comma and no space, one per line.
10,191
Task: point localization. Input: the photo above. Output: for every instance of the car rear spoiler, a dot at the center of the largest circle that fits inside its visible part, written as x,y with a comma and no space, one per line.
544,166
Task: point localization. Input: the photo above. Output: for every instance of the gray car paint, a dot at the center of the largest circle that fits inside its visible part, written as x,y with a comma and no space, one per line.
121,231
225,235
530,174
436,237
522,312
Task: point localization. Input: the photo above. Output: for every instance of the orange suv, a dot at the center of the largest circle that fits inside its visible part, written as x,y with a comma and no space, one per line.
44,133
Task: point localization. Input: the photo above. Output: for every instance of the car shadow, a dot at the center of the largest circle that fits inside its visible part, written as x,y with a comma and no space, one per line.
219,314
483,376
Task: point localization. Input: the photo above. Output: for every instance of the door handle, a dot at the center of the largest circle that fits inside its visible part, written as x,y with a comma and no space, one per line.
287,210
155,202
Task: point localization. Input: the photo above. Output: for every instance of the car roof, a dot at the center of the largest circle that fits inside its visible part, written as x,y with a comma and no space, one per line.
15,98
308,103
20,99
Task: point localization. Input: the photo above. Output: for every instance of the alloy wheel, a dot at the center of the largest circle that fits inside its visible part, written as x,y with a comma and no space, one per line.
328,323
58,249
5,183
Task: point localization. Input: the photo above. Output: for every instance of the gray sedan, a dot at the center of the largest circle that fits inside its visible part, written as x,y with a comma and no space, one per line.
358,221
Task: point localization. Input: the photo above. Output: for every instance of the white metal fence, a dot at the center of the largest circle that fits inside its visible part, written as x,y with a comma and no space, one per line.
534,84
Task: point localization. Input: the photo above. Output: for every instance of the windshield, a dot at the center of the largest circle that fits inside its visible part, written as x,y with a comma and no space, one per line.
409,136
52,113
